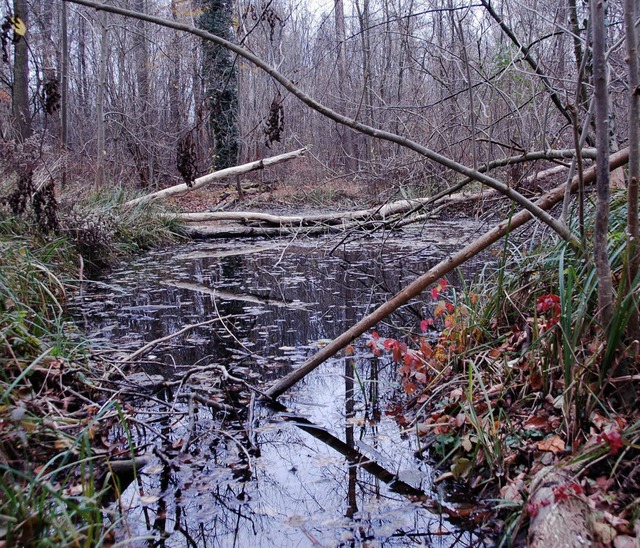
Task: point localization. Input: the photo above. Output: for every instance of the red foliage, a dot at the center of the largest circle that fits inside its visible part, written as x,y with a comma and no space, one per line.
561,493
613,439
549,303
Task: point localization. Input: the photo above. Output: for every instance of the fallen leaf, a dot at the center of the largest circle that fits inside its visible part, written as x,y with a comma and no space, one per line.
511,493
535,381
461,468
466,443
537,423
149,499
555,444
604,532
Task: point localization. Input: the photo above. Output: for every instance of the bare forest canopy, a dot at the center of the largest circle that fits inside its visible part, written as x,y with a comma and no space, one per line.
461,83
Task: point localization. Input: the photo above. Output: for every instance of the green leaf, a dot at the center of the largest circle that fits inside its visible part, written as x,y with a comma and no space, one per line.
461,468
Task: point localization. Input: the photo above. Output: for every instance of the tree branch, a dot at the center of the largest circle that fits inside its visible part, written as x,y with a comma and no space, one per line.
528,58
441,269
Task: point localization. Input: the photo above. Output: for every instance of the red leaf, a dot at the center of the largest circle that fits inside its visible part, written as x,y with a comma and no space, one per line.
424,324
613,439
410,387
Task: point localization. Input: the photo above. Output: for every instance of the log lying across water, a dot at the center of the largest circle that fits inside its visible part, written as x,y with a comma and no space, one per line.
250,223
421,283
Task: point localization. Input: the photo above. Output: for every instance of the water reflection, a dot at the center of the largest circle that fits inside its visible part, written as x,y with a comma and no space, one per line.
331,470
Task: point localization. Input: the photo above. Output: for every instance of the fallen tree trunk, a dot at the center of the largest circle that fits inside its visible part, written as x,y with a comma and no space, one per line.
441,269
183,188
381,212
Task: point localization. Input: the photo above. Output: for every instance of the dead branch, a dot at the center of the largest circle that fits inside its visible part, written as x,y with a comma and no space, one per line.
150,345
183,188
441,269
377,133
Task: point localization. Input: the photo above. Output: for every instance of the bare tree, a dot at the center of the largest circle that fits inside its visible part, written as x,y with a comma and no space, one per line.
605,284
633,233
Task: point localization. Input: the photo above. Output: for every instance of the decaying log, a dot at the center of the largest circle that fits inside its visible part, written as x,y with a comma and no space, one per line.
183,188
441,269
382,212
234,224
560,515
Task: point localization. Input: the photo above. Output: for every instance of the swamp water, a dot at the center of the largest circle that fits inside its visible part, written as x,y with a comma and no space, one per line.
332,469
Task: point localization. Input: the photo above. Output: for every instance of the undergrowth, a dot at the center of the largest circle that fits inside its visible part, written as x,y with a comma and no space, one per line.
53,409
103,229
520,376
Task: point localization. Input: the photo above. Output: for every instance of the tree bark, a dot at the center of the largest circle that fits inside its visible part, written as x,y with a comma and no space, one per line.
182,188
633,249
441,269
601,257
20,99
221,80
341,38
64,91
101,85
562,522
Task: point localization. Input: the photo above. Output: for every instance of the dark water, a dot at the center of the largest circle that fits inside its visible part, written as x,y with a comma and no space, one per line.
333,468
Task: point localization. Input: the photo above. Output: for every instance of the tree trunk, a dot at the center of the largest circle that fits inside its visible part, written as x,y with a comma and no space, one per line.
20,100
565,523
221,81
182,188
143,143
101,84
601,257
631,12
64,89
350,161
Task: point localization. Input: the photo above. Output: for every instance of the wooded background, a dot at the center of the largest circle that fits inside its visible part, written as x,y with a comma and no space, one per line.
127,101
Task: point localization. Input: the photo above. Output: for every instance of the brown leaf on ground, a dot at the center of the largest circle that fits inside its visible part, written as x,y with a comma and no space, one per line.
555,444
538,422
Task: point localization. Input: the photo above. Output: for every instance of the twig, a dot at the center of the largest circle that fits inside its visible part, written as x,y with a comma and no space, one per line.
191,428
153,343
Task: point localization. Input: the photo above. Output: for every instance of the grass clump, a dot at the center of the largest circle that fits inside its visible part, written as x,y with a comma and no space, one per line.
46,407
103,229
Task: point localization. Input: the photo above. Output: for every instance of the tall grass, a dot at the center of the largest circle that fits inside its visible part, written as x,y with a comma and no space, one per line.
103,229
